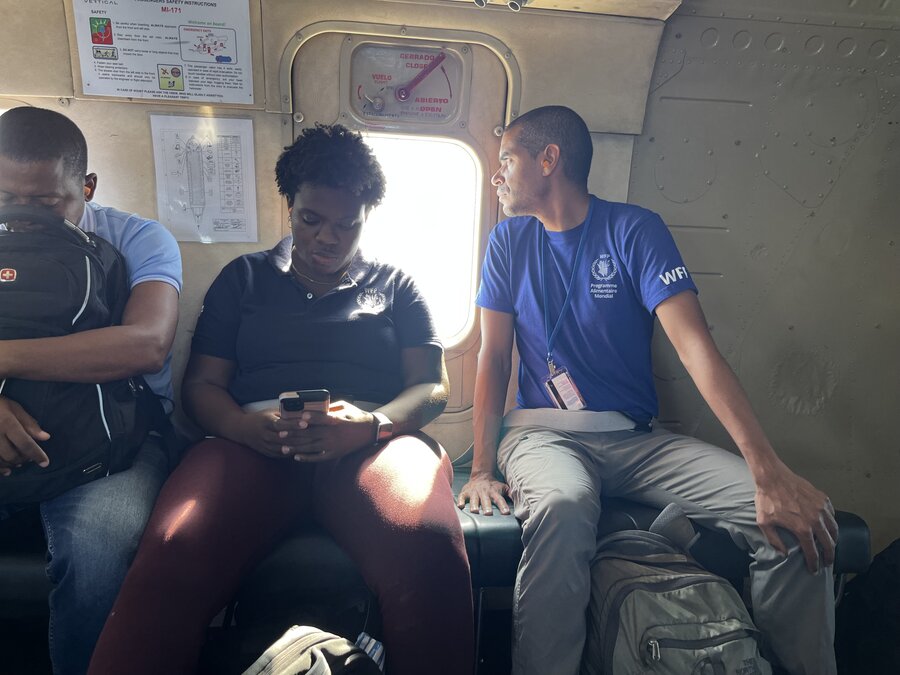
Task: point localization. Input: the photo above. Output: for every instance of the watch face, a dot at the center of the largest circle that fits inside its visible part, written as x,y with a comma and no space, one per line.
394,82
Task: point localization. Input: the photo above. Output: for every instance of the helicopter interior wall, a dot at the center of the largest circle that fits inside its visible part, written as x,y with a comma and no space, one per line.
770,149
800,296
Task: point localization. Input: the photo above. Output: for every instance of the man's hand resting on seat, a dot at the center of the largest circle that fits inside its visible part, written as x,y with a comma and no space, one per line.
19,432
482,492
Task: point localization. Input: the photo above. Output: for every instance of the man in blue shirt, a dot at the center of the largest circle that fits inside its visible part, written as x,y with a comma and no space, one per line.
577,282
93,530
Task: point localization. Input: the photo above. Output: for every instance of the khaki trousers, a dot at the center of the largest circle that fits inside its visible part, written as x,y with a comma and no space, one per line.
556,479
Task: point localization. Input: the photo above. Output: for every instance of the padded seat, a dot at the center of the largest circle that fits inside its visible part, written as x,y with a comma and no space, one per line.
309,568
494,542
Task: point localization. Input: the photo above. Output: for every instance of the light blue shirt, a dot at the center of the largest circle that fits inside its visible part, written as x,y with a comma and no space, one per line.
151,254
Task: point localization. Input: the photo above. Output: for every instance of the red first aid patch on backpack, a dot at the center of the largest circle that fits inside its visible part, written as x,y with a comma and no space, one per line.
7,274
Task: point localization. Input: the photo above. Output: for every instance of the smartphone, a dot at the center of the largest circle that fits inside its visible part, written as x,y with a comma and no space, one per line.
293,403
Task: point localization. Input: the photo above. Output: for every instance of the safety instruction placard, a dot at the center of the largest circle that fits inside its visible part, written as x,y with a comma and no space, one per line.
190,50
205,187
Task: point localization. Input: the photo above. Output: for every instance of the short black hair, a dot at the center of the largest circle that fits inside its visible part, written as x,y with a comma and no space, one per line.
560,126
30,134
331,156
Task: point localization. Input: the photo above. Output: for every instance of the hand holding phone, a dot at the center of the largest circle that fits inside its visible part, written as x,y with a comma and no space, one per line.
294,403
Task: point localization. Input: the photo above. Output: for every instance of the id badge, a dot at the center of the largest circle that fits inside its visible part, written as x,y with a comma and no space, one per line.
563,391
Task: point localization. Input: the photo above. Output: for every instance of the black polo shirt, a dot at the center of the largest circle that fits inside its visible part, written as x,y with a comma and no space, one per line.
282,338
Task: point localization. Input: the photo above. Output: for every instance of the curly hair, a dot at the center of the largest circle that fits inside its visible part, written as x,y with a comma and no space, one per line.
36,134
331,156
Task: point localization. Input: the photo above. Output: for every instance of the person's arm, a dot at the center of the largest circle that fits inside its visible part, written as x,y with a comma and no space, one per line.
491,383
783,499
207,401
136,347
426,390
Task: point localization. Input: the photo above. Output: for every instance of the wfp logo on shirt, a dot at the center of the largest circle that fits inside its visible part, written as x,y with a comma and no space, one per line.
674,274
604,269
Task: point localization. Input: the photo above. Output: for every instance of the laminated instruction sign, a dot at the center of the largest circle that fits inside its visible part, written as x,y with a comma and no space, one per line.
190,50
205,178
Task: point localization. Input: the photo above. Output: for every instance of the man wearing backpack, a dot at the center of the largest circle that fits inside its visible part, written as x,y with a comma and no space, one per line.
92,530
577,282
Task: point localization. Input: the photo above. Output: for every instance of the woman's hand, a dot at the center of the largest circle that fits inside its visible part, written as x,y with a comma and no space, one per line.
267,433
321,437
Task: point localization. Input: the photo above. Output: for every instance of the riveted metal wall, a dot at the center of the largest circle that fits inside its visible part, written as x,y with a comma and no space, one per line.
770,148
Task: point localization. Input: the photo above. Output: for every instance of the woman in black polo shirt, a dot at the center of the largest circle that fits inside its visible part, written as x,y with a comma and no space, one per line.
311,313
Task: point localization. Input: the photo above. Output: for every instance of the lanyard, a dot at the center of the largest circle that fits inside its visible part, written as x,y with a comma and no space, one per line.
551,335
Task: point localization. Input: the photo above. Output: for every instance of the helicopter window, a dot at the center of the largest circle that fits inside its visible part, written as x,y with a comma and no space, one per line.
427,223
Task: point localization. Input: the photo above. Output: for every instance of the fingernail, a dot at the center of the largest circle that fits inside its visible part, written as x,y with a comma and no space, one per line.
282,434
285,450
44,465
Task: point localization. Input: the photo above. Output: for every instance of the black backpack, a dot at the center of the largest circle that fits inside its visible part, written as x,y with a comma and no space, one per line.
304,650
56,280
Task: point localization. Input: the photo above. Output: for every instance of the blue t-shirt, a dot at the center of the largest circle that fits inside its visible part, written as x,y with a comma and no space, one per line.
151,254
629,265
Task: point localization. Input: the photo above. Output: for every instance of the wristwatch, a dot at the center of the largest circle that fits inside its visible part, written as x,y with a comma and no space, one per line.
384,428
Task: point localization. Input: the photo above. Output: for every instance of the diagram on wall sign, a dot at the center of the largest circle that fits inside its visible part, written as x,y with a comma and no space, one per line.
204,177
195,163
208,45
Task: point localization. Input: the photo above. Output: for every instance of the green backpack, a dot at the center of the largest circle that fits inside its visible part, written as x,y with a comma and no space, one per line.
653,609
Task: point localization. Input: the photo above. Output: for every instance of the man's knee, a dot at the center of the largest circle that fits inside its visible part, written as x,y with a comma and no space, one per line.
564,515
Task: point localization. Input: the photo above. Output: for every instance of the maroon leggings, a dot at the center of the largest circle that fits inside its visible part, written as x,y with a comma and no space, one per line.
226,506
